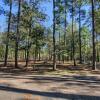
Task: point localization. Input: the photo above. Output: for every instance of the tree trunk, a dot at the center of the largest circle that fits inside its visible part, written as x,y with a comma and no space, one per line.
59,55
93,38
7,42
27,57
97,48
39,54
73,41
54,48
65,21
28,42
71,52
80,50
17,34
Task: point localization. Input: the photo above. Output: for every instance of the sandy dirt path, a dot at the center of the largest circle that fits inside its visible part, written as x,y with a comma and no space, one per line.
49,87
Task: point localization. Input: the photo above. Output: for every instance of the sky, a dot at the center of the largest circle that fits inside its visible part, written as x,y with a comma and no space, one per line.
2,18
47,8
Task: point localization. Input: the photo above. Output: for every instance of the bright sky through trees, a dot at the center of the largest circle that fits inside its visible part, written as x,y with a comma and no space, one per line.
47,8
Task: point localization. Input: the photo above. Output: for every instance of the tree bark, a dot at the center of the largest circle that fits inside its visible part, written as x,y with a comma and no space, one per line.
17,34
54,48
7,42
28,42
93,38
73,41
65,22
80,49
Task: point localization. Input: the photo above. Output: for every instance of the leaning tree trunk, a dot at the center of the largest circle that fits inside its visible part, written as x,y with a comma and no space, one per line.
7,42
93,38
17,34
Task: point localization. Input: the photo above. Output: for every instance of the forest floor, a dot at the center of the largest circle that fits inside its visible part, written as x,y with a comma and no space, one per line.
74,83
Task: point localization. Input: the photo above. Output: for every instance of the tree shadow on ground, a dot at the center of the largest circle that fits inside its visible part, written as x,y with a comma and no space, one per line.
83,81
39,68
66,80
50,94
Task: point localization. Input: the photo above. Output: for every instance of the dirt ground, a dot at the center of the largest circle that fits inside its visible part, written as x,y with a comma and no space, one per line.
56,85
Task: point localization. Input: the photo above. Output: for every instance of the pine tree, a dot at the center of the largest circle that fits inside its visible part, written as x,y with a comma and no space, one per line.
17,33
8,32
54,47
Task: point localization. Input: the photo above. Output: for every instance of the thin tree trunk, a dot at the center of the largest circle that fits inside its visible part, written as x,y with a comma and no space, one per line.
17,34
59,48
65,29
24,54
49,54
35,54
27,54
98,57
71,53
73,41
27,57
93,38
28,44
59,54
54,48
39,54
7,42
97,49
80,50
